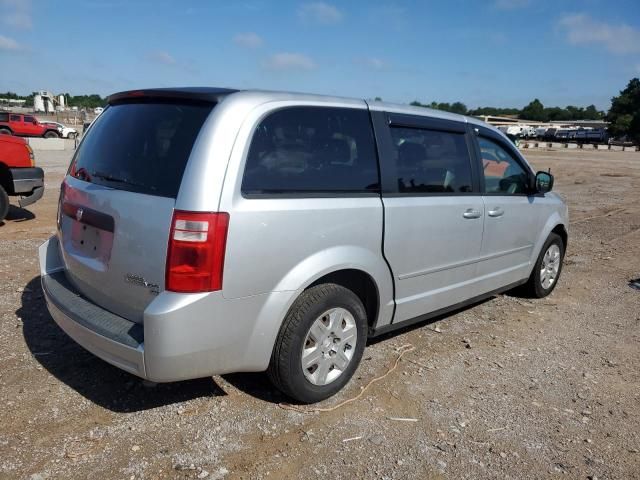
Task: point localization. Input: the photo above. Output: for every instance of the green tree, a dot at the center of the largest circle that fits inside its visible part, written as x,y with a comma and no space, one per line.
459,107
624,113
534,111
495,111
592,113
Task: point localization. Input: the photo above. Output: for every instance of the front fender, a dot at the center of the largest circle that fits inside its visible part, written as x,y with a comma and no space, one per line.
552,222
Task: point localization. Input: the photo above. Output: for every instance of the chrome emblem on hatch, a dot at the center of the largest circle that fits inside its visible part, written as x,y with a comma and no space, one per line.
134,279
79,213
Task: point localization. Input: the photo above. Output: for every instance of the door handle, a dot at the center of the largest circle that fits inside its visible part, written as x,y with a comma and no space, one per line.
471,213
496,212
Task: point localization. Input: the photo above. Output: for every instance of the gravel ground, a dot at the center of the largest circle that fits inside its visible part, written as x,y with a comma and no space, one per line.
509,388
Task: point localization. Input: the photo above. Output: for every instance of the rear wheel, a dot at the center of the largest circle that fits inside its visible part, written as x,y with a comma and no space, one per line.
320,343
547,269
51,134
4,203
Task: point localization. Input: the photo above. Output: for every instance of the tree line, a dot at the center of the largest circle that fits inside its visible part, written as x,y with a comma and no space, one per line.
535,110
623,116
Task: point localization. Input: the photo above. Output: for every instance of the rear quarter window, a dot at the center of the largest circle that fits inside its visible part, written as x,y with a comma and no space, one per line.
140,147
314,150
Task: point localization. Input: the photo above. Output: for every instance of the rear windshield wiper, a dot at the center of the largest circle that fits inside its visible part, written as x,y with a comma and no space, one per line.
111,178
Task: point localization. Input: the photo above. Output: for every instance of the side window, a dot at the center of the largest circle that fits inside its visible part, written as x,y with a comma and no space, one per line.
28,119
312,150
430,161
502,172
15,118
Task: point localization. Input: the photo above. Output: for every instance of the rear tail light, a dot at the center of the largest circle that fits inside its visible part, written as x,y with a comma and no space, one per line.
195,258
32,158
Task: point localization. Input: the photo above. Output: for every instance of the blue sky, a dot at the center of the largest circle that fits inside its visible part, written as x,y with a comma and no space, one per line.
494,52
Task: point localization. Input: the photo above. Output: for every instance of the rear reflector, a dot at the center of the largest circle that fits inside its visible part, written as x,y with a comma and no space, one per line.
195,258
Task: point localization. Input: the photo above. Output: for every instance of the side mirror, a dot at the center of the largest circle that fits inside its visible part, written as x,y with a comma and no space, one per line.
544,182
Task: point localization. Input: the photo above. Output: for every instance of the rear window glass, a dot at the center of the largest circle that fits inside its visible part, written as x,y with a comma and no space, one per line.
140,147
316,150
4,117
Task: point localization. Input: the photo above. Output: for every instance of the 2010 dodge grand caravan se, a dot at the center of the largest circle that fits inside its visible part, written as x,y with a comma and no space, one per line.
205,231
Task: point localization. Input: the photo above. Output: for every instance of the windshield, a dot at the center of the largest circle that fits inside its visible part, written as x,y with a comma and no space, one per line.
140,147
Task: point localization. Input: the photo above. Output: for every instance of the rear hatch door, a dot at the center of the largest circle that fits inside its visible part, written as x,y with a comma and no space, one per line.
117,200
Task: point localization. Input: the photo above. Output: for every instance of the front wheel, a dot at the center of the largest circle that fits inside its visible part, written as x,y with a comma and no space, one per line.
71,136
320,343
547,269
5,131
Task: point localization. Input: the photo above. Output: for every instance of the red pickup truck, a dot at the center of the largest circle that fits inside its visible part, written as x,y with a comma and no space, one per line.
26,126
18,174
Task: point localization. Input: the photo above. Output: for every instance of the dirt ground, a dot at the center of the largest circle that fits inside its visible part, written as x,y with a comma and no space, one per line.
509,388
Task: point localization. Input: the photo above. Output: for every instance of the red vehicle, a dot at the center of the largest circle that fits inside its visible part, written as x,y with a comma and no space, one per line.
26,126
18,174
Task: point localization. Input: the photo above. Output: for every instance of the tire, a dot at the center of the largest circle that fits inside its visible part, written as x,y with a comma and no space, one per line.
71,136
4,203
5,131
51,134
333,311
535,286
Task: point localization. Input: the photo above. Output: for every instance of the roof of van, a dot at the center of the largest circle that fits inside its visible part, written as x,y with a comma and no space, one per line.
212,94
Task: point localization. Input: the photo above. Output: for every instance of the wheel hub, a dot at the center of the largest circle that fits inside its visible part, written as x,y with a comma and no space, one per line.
550,266
329,346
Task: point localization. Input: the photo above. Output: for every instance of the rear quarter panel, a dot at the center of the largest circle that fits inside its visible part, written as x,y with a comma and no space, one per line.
14,154
285,244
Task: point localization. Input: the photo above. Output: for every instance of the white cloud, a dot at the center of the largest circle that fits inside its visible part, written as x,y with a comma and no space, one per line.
511,4
320,12
162,57
248,40
289,61
373,63
16,14
9,44
581,29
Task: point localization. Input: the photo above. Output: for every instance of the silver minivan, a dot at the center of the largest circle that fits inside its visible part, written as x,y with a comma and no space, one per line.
205,231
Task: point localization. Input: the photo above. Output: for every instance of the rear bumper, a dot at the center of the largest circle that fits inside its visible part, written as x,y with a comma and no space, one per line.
29,183
25,180
108,336
182,336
